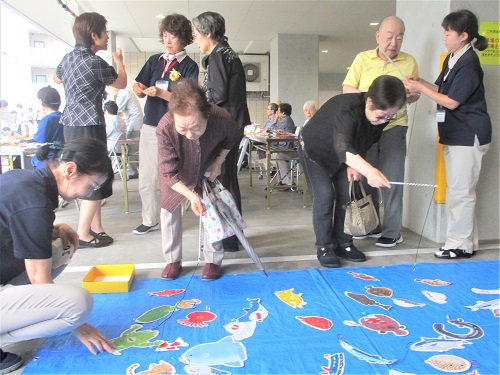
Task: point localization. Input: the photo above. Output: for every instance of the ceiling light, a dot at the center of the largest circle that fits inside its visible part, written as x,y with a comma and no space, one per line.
324,51
161,16
374,23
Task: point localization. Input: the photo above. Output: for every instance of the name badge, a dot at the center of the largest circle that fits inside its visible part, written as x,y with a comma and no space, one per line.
161,84
440,115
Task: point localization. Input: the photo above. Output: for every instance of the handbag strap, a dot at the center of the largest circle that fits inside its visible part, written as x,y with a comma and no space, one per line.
352,192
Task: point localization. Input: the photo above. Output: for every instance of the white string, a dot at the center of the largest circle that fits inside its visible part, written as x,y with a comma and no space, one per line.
412,184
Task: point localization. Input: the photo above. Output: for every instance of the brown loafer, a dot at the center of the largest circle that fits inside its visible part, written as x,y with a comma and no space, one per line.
211,272
171,271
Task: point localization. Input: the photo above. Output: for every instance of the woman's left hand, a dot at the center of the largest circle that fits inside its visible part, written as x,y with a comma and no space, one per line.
67,235
152,91
92,338
352,174
215,169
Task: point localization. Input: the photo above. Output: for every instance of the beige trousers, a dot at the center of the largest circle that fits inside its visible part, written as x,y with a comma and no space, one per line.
148,175
171,239
463,165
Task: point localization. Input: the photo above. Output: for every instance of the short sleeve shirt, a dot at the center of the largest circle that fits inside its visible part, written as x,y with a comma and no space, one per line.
367,66
85,76
339,126
152,71
464,84
27,204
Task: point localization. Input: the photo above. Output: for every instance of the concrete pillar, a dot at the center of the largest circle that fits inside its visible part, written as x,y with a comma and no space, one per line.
294,68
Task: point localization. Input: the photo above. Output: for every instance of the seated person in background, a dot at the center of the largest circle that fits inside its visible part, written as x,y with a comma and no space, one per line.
284,125
49,128
130,108
115,125
33,306
310,109
272,108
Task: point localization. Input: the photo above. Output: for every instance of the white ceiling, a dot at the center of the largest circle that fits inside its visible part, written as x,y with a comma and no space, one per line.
343,26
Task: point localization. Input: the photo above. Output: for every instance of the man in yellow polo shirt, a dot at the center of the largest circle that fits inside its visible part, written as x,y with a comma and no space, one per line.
388,155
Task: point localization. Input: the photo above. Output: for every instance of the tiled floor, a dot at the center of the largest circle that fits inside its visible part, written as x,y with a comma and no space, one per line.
282,237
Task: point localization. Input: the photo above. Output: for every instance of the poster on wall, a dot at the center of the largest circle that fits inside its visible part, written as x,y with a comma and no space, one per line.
491,31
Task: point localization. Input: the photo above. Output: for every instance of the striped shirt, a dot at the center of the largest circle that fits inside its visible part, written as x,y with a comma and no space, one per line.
181,159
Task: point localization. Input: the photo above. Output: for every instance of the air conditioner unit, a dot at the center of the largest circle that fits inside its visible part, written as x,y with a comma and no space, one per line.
256,69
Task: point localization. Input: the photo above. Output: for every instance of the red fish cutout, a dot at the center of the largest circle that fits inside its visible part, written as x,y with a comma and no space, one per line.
381,323
363,276
317,322
167,292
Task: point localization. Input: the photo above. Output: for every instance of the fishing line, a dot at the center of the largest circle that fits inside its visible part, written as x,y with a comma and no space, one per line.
200,249
423,227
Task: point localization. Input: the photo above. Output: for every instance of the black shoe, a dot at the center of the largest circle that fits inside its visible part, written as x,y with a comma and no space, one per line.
452,253
377,234
388,242
143,229
9,362
351,253
327,257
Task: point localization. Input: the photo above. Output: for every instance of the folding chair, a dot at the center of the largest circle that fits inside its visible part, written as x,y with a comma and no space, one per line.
115,158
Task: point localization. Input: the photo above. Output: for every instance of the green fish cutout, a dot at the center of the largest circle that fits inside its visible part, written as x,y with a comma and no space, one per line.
156,314
132,338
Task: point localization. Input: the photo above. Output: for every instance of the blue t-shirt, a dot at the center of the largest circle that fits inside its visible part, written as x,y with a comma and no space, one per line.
27,204
49,130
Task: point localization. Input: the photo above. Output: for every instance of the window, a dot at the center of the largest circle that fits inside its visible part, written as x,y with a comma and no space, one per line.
40,79
39,44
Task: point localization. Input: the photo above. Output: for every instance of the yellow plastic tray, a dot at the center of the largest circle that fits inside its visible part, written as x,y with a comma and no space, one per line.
111,278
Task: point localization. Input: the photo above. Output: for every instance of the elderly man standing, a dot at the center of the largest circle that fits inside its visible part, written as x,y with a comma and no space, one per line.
194,139
388,155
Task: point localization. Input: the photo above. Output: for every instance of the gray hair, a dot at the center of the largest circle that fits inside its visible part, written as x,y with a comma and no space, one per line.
211,23
310,103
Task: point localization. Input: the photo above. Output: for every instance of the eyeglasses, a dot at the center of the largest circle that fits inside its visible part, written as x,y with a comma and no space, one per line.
384,117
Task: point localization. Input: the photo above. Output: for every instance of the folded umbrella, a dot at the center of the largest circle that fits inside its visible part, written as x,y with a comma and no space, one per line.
227,215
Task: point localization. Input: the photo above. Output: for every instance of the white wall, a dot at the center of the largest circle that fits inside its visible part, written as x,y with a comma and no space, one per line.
423,40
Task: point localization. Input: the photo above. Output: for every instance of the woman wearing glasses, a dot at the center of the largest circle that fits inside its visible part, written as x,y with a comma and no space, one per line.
331,149
32,305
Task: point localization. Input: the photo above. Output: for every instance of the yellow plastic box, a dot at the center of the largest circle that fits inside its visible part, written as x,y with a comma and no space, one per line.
111,278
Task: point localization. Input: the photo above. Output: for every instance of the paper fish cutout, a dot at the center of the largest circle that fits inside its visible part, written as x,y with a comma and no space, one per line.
156,314
318,322
171,345
154,368
133,338
197,319
435,282
167,292
407,303
448,363
336,363
440,344
290,298
475,332
381,323
474,372
394,372
485,291
225,352
204,370
365,300
493,305
379,292
435,297
364,356
188,303
241,330
255,313
363,276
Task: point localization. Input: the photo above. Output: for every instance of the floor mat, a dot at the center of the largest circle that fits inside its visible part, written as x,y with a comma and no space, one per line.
427,319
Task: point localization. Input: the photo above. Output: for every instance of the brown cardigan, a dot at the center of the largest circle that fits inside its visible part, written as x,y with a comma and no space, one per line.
181,159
